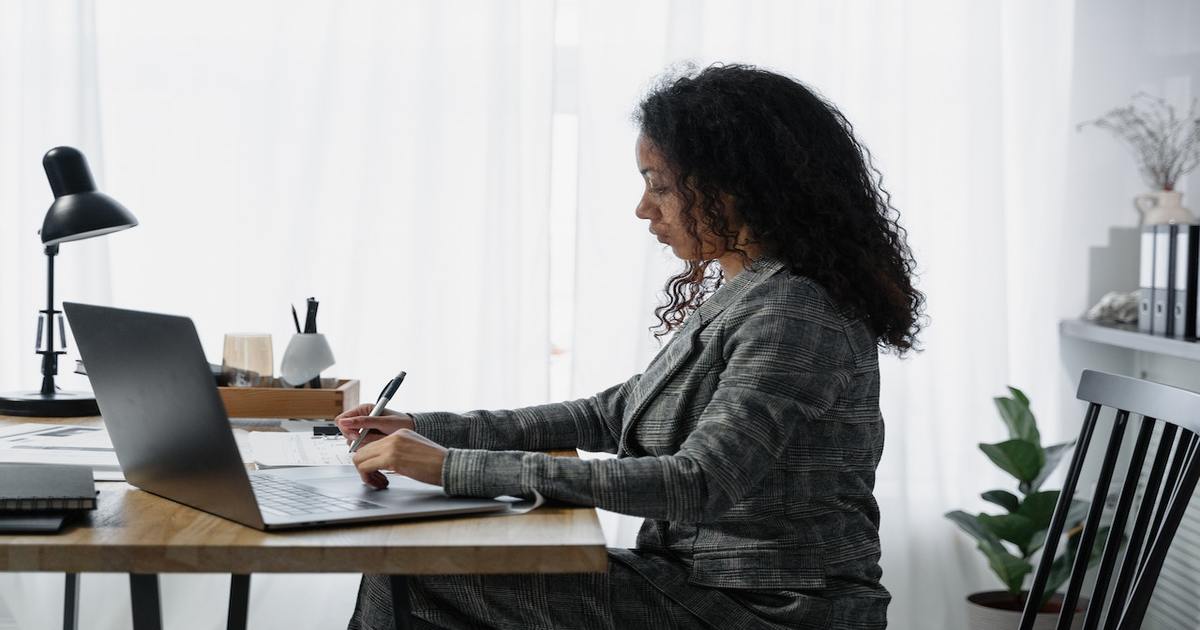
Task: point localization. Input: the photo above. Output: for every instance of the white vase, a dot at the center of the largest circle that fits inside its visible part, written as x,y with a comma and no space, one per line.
988,611
1162,207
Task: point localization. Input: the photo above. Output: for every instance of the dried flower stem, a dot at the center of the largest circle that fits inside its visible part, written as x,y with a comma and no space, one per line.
1165,146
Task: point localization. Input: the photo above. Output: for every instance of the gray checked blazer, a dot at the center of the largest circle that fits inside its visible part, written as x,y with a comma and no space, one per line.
749,444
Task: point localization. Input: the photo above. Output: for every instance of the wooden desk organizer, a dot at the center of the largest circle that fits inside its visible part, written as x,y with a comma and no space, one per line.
280,401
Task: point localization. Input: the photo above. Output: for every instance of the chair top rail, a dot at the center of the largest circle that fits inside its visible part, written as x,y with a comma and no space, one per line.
1164,402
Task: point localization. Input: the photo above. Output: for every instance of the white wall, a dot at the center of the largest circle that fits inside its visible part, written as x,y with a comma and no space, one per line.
1120,47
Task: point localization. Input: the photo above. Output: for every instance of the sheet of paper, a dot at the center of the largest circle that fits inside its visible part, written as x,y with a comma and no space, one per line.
273,449
33,443
60,444
522,506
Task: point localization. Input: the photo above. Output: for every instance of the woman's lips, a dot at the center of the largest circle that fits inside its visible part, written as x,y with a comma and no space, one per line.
661,238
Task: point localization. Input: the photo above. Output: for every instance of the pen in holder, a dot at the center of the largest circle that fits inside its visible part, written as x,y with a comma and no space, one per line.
307,354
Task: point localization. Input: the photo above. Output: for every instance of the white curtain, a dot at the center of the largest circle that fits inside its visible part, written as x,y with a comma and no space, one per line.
388,158
48,98
964,107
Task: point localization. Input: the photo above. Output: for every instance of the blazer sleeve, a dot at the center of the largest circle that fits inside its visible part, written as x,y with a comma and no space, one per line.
786,361
591,424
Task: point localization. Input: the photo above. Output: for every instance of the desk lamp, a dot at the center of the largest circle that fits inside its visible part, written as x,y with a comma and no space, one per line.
79,211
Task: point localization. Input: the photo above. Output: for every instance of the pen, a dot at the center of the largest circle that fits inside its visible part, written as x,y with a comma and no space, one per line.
296,319
310,327
384,398
310,321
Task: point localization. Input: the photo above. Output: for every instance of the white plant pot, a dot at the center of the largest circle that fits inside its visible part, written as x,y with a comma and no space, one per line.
983,615
1163,207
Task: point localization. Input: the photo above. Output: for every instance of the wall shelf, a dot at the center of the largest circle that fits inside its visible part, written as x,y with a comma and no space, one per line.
1127,336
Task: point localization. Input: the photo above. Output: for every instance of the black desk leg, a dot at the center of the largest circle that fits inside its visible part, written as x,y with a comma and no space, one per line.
71,603
143,597
239,601
401,606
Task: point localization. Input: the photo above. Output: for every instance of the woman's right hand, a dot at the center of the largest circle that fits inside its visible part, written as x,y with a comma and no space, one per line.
386,423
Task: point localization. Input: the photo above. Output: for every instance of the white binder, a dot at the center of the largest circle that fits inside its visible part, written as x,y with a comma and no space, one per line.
1183,297
1146,281
1160,295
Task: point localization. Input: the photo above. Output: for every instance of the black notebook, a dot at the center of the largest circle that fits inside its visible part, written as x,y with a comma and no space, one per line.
41,487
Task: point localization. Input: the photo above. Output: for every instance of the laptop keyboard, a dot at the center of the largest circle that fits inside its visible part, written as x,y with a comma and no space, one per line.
286,498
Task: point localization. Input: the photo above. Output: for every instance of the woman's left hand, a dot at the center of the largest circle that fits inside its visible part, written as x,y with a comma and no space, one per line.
406,452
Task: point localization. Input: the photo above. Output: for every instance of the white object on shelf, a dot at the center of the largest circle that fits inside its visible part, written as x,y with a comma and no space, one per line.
1163,207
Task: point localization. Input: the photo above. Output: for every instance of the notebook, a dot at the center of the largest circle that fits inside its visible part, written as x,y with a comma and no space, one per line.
41,487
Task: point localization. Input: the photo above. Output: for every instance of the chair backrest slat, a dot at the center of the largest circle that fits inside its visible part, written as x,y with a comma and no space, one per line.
1143,589
1050,547
1131,561
1091,527
1165,498
1182,446
1112,545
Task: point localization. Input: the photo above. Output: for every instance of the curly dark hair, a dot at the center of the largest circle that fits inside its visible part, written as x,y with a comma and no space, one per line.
803,185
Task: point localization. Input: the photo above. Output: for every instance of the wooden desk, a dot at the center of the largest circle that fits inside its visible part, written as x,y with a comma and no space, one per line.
141,534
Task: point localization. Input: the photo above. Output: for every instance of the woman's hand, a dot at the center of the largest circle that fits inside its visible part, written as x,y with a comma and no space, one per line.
387,423
406,452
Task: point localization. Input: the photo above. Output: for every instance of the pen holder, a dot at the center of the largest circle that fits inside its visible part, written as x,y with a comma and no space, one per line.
307,354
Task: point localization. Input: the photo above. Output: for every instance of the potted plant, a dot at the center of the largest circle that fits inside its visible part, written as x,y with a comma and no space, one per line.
1012,538
1166,146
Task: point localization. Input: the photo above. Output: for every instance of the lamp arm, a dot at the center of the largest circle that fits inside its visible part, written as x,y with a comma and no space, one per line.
49,355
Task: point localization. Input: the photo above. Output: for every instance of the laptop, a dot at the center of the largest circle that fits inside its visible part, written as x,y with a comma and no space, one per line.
173,438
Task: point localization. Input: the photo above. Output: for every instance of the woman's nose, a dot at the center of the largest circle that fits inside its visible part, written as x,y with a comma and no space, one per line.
643,210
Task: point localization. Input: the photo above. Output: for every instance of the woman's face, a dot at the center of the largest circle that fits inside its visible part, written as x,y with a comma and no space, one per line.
662,205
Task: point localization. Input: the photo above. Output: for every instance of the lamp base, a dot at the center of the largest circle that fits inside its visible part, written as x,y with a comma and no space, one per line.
60,404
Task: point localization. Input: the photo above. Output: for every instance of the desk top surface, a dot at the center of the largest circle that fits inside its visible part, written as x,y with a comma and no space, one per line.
134,531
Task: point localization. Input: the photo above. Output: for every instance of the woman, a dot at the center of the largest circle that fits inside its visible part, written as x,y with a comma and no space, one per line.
750,442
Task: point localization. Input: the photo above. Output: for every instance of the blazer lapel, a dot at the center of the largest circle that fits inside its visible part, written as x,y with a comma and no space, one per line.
668,361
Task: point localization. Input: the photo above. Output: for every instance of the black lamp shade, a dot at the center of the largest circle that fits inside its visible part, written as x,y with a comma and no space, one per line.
79,211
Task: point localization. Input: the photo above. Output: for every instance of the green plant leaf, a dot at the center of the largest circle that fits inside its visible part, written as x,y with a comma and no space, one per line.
1019,395
1060,570
1014,528
1054,454
1037,541
1003,498
1016,414
1009,568
1075,515
1019,458
1039,507
970,524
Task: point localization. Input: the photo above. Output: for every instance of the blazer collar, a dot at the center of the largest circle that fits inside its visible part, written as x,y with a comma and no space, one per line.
672,356
759,270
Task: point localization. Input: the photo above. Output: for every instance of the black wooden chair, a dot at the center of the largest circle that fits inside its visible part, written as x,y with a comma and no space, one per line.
1170,481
